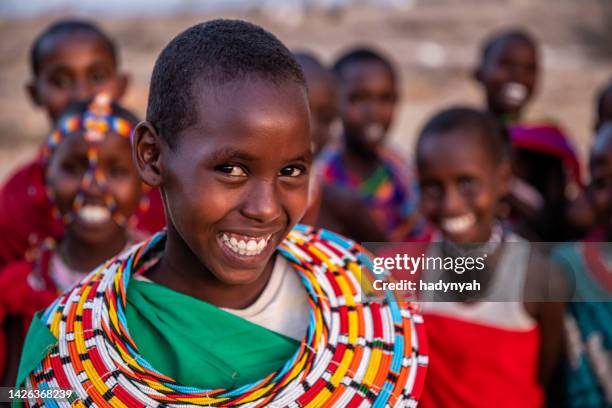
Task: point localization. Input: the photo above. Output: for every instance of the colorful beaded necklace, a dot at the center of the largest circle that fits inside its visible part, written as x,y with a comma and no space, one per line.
356,353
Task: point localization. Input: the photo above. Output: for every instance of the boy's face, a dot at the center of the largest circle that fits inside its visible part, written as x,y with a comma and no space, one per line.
367,97
74,67
600,188
93,222
236,182
322,99
460,185
509,76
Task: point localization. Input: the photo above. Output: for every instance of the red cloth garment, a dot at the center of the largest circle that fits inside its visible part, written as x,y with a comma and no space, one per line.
474,365
27,218
30,287
548,139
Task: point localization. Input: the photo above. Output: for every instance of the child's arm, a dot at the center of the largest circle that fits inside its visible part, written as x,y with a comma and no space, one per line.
343,211
546,293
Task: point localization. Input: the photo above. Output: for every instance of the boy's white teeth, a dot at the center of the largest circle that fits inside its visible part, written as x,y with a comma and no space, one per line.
94,214
374,132
514,93
244,245
458,225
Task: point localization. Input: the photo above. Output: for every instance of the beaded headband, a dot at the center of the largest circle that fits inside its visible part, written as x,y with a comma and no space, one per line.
96,122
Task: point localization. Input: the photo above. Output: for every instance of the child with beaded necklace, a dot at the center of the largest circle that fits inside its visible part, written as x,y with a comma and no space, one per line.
95,190
234,304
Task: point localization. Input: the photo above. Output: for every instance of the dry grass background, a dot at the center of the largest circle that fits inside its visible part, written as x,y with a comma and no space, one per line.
434,43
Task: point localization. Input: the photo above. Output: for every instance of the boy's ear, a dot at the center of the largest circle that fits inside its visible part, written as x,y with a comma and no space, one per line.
477,74
123,81
504,177
146,153
32,91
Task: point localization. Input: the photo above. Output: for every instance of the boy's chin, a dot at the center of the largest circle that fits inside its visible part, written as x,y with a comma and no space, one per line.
238,276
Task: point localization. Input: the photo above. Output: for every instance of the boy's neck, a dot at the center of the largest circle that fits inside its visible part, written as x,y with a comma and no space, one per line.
83,257
361,161
180,270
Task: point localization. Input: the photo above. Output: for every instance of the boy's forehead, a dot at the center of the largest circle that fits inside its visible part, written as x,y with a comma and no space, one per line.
364,68
505,44
63,44
247,97
464,144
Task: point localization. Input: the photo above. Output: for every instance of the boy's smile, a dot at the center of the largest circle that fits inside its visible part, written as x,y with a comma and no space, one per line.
235,181
460,185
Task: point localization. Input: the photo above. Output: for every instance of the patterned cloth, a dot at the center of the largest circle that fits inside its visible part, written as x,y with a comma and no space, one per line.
588,324
389,192
356,353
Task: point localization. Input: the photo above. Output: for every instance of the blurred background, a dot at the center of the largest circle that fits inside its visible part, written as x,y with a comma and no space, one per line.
435,44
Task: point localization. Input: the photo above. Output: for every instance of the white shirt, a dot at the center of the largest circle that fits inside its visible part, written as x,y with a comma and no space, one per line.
283,305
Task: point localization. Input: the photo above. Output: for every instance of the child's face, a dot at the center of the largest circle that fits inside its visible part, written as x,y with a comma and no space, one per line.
509,76
367,97
600,188
74,67
236,182
460,185
93,222
322,99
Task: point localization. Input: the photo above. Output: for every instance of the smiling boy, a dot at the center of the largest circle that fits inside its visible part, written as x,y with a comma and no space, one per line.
234,304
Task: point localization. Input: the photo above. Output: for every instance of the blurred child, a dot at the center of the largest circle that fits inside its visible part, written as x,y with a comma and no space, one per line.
321,98
493,349
70,61
589,320
231,305
604,106
547,197
508,72
95,189
360,170
322,101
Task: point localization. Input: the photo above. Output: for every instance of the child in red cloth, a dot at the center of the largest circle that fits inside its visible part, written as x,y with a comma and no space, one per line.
70,61
546,197
500,346
95,189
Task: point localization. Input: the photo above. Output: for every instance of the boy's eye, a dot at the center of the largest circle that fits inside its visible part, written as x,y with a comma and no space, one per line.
118,171
231,170
291,171
430,190
98,76
73,168
62,81
468,185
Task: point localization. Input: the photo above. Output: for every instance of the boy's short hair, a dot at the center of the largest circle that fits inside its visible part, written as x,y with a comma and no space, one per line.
362,54
460,117
496,38
216,52
67,27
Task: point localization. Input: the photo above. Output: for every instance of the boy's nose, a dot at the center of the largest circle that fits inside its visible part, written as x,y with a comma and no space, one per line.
262,202
81,91
452,203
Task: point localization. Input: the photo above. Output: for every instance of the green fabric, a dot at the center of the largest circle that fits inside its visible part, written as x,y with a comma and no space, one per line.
38,342
198,344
